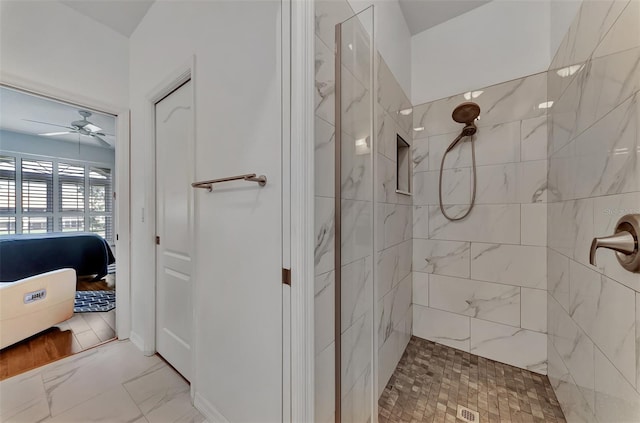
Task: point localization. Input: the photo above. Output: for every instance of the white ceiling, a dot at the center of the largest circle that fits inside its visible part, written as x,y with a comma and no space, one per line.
424,14
122,16
15,106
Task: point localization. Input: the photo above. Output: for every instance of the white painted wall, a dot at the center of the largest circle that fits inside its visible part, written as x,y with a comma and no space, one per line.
61,48
393,39
238,235
496,42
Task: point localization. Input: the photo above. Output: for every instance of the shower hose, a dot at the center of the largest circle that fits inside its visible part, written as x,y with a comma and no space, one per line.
473,195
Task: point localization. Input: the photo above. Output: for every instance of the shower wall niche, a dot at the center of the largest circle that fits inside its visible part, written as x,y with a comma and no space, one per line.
480,283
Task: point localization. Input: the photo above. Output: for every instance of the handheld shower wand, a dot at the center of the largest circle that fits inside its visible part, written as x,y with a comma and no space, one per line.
465,113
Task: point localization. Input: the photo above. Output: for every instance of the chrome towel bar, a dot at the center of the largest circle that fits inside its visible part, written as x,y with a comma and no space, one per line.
251,177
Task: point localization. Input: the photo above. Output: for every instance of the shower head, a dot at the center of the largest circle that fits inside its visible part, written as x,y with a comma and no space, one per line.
466,113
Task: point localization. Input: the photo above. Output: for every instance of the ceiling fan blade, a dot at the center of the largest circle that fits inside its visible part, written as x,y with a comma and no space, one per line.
51,134
47,123
102,141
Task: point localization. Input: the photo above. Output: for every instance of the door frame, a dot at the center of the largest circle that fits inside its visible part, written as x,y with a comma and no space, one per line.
302,80
170,83
122,187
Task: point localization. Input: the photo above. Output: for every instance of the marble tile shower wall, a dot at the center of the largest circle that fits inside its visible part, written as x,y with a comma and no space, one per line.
479,284
393,229
594,178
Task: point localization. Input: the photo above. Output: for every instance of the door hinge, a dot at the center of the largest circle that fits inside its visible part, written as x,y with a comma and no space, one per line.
286,276
157,240
114,195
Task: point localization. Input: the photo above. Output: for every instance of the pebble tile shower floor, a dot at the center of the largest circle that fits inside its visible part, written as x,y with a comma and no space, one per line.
431,380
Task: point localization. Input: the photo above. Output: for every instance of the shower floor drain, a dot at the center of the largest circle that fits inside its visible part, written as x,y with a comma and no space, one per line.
468,415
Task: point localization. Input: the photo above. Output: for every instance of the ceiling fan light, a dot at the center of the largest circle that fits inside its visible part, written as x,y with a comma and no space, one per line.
91,127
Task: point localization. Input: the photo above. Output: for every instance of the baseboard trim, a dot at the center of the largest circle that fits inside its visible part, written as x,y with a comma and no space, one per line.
138,341
208,410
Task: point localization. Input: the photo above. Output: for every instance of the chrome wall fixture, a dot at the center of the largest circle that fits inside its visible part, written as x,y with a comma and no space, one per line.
251,177
624,242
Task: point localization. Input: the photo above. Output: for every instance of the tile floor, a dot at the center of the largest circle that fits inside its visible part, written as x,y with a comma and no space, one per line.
113,383
432,379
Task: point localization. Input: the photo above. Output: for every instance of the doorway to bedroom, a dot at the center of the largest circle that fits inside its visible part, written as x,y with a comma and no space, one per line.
57,230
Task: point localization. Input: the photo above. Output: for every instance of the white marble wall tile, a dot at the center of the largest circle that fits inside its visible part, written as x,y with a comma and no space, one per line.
574,406
498,184
637,341
495,144
608,150
420,289
356,50
459,157
356,402
594,20
449,258
387,360
324,311
533,142
324,158
356,350
456,187
388,267
394,306
517,265
23,399
534,309
574,347
421,222
533,224
324,98
558,277
606,213
386,133
357,230
324,234
328,13
357,177
532,182
356,107
420,154
507,344
506,102
357,290
604,84
386,180
442,327
605,310
324,383
624,34
616,400
390,96
483,300
487,223
398,224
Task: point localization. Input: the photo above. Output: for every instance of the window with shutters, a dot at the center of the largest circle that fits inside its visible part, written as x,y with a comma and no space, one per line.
51,195
37,196
7,195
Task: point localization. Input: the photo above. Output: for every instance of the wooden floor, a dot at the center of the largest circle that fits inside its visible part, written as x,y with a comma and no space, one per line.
81,332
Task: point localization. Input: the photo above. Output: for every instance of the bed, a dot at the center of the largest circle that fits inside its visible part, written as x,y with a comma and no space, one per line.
23,256
33,304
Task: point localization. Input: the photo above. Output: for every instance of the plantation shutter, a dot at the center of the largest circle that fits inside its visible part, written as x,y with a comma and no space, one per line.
7,195
100,204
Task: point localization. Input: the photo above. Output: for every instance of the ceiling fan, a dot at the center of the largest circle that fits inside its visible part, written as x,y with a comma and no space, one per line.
82,127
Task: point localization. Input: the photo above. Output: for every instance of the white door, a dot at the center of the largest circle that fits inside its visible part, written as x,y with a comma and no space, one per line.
174,164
